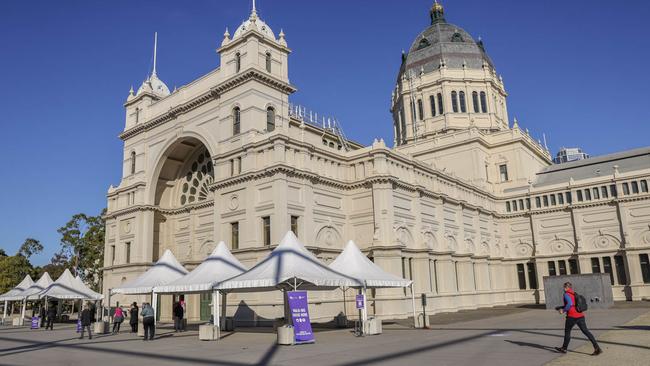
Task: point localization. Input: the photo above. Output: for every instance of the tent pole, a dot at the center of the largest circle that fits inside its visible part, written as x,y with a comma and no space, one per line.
110,318
4,312
365,309
215,309
22,312
345,303
154,305
224,309
413,304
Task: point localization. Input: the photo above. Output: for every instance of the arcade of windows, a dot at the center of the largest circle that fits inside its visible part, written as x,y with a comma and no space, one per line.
581,195
458,104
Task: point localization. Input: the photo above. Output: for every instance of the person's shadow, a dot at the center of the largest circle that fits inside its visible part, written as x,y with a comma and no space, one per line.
533,345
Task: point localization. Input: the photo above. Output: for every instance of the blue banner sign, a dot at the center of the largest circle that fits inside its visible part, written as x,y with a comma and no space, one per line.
300,317
360,301
35,322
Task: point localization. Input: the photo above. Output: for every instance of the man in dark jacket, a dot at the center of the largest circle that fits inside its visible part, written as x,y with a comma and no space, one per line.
51,314
85,318
178,317
573,317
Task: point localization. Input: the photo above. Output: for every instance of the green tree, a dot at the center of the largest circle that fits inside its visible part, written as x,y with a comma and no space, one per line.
12,270
30,247
57,265
82,242
2,253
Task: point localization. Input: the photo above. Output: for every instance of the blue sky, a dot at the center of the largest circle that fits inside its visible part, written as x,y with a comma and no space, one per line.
575,70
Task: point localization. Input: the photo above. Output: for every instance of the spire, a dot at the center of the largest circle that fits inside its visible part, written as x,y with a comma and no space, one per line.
254,11
155,49
437,13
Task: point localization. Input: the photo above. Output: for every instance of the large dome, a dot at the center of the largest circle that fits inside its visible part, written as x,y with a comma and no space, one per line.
444,43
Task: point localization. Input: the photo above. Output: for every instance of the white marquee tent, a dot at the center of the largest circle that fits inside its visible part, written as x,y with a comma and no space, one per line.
289,266
67,287
31,293
353,263
166,270
221,265
14,293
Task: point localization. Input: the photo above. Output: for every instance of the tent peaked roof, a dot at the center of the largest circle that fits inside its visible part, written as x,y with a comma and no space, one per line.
166,270
67,287
288,264
14,293
216,268
32,292
355,264
82,285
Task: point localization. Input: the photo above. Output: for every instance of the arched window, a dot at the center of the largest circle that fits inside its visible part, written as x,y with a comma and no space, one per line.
454,101
461,98
268,61
483,103
475,101
270,119
237,62
236,121
441,105
432,101
132,162
420,110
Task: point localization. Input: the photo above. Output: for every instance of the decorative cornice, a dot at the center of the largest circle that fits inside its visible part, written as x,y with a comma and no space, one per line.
166,211
171,114
253,74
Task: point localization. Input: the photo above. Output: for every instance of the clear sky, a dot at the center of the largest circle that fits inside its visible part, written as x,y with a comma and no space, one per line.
575,70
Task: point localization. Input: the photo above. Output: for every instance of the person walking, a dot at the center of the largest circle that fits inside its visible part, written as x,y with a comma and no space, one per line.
51,314
118,318
86,320
573,318
178,317
148,322
133,320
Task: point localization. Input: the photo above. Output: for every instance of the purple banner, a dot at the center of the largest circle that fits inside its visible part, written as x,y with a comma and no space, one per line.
300,317
79,326
35,322
360,301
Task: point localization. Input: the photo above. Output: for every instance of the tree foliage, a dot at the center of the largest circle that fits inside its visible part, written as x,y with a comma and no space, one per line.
57,265
30,247
12,270
82,246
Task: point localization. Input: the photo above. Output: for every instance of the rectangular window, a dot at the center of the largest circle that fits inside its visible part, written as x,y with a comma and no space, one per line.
521,205
266,230
587,195
503,172
112,255
562,267
620,270
569,197
607,268
645,267
521,275
127,250
508,209
294,224
532,275
573,266
420,109
626,189
595,193
432,101
232,167
603,192
538,202
545,199
613,190
441,104
580,199
514,206
553,203
635,187
595,265
527,203
234,235
239,165
560,198
644,186
551,269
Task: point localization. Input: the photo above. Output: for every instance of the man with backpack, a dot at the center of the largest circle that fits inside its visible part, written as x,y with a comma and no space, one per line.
574,306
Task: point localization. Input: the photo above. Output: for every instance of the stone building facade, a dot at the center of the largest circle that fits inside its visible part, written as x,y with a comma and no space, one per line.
465,203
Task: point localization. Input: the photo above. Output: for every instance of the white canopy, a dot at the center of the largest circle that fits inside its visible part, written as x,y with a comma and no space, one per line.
290,265
14,293
355,264
166,270
32,292
67,287
94,295
218,267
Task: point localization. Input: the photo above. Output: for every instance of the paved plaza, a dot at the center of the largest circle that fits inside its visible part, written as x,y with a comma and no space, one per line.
497,336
